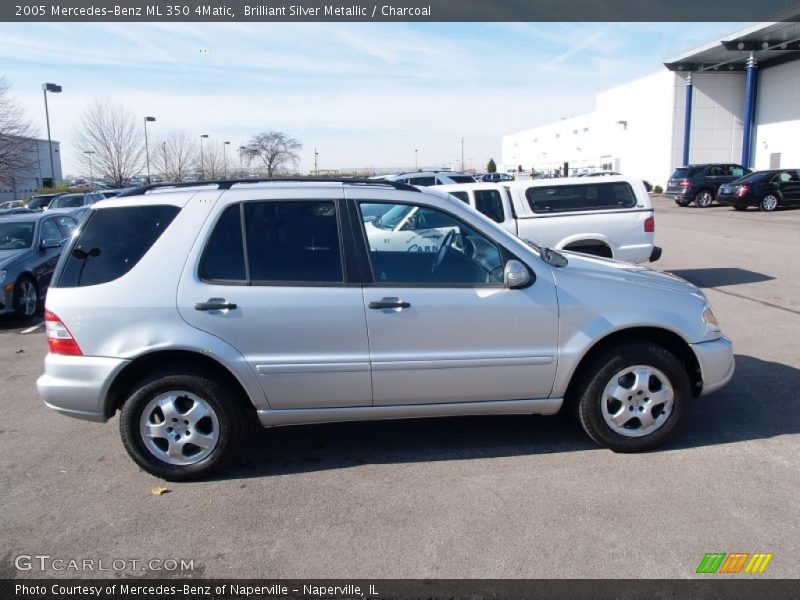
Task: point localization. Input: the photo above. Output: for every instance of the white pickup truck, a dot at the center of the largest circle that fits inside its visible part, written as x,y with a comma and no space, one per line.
609,216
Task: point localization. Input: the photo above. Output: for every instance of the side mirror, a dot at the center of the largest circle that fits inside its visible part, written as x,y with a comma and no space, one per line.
516,275
47,244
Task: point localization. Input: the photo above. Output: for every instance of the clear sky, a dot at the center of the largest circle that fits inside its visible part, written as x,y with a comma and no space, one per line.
365,95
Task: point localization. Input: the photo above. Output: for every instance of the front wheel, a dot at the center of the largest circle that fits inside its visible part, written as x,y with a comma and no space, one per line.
26,298
633,397
768,203
704,199
181,424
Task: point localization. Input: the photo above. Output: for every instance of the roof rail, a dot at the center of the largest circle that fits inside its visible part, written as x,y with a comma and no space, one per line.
226,184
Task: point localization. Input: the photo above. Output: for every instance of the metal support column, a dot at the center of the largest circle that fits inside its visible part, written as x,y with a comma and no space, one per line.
687,119
749,123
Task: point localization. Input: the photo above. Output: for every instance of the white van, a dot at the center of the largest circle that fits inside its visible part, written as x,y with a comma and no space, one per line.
608,216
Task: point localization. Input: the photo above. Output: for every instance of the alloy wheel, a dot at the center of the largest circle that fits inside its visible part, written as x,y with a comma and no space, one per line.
179,427
637,401
704,199
28,299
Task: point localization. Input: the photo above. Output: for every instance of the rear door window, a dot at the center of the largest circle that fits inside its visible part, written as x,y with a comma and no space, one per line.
584,197
223,257
490,204
112,242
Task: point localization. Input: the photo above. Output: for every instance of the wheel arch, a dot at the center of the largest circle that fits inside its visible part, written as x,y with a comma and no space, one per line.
669,340
122,384
590,243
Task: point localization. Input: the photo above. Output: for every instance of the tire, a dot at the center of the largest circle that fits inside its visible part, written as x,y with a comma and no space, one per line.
613,372
703,199
769,203
169,396
683,202
26,298
739,207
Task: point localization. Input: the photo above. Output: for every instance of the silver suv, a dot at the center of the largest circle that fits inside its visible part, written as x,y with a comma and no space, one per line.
193,308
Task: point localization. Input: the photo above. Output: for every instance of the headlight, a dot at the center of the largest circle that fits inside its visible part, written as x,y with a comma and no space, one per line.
709,318
3,276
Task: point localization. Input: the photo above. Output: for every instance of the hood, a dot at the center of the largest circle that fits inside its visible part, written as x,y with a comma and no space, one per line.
7,257
606,268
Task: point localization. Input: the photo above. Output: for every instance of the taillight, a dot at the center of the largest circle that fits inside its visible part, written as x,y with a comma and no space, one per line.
684,183
743,189
59,339
649,224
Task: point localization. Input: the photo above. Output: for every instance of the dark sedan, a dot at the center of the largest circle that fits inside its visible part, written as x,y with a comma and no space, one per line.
767,190
30,245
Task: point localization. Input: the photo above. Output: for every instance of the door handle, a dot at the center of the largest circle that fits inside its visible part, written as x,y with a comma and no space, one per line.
389,303
212,305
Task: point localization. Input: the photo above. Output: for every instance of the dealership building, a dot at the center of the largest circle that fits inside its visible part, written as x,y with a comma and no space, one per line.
733,100
19,185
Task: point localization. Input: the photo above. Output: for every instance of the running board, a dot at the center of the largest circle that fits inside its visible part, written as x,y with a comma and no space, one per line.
300,416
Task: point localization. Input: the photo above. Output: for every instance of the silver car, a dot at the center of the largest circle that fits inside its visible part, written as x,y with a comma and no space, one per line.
192,308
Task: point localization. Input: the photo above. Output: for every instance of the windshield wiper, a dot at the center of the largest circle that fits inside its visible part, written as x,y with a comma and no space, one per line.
550,256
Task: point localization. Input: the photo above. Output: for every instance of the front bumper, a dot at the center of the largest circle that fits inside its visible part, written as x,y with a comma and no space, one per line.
716,363
77,386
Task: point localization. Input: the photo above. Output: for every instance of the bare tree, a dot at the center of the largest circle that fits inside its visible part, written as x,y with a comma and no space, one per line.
213,166
112,133
18,158
275,149
175,155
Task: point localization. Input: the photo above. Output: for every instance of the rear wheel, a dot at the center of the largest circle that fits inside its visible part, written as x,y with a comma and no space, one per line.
704,199
26,298
180,424
768,203
632,397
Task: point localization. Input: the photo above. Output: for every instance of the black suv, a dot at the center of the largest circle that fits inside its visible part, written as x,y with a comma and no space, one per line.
700,183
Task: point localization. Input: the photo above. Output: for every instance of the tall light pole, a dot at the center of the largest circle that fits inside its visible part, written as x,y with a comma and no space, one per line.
225,159
91,172
416,163
316,163
202,163
241,168
53,89
146,147
462,153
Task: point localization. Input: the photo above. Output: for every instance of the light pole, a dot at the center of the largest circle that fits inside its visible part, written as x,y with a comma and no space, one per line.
225,159
462,153
91,172
53,89
416,163
146,147
316,163
241,168
202,164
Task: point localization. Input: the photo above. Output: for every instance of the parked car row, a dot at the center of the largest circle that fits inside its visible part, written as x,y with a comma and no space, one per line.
734,185
192,309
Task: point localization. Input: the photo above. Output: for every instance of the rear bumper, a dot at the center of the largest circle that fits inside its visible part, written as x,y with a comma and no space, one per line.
655,254
682,194
716,363
76,386
737,200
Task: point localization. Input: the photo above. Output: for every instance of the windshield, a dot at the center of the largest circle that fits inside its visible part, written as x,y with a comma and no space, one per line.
756,177
393,216
68,201
461,179
685,172
15,236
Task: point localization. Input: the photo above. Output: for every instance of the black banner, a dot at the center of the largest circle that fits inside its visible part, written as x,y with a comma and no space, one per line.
713,588
398,10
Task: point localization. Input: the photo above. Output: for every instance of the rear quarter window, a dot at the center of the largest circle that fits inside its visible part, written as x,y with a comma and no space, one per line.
112,242
583,197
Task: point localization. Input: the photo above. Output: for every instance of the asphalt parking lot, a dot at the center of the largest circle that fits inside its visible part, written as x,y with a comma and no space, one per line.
470,497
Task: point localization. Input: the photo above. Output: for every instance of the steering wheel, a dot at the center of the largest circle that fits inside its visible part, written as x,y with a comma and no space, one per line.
448,239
